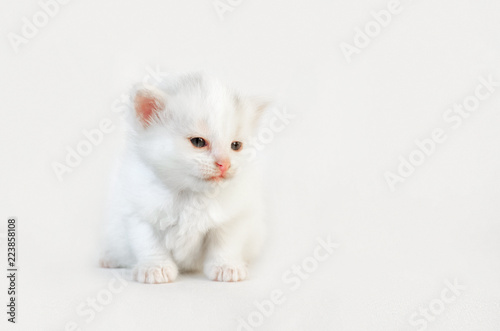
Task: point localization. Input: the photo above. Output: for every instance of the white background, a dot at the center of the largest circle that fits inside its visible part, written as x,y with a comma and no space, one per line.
325,172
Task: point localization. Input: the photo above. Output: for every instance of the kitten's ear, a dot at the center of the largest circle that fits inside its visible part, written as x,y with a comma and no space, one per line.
148,102
260,106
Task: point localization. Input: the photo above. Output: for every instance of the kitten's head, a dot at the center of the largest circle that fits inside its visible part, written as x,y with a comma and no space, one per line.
194,131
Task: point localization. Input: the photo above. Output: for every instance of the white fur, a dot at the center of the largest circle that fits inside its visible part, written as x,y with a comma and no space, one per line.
164,215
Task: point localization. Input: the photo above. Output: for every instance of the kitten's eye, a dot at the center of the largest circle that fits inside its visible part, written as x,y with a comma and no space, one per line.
236,145
198,142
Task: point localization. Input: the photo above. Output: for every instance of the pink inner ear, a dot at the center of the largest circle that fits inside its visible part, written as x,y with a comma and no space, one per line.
146,105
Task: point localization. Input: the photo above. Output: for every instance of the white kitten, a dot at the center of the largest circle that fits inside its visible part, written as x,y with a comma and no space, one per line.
185,196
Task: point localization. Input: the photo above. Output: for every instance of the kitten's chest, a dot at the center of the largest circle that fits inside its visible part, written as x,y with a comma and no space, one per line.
184,216
185,225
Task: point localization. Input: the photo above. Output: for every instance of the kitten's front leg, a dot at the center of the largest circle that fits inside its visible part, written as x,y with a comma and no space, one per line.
154,263
224,254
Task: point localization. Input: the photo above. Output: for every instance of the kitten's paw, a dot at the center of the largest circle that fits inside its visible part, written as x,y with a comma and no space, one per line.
155,273
226,272
108,263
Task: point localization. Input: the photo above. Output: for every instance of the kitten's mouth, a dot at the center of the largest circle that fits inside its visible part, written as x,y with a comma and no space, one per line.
219,177
215,178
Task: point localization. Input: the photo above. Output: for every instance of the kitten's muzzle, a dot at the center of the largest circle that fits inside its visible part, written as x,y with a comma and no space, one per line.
223,166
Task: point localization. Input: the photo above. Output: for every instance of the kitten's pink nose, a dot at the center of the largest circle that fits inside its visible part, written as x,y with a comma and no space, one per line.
223,165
